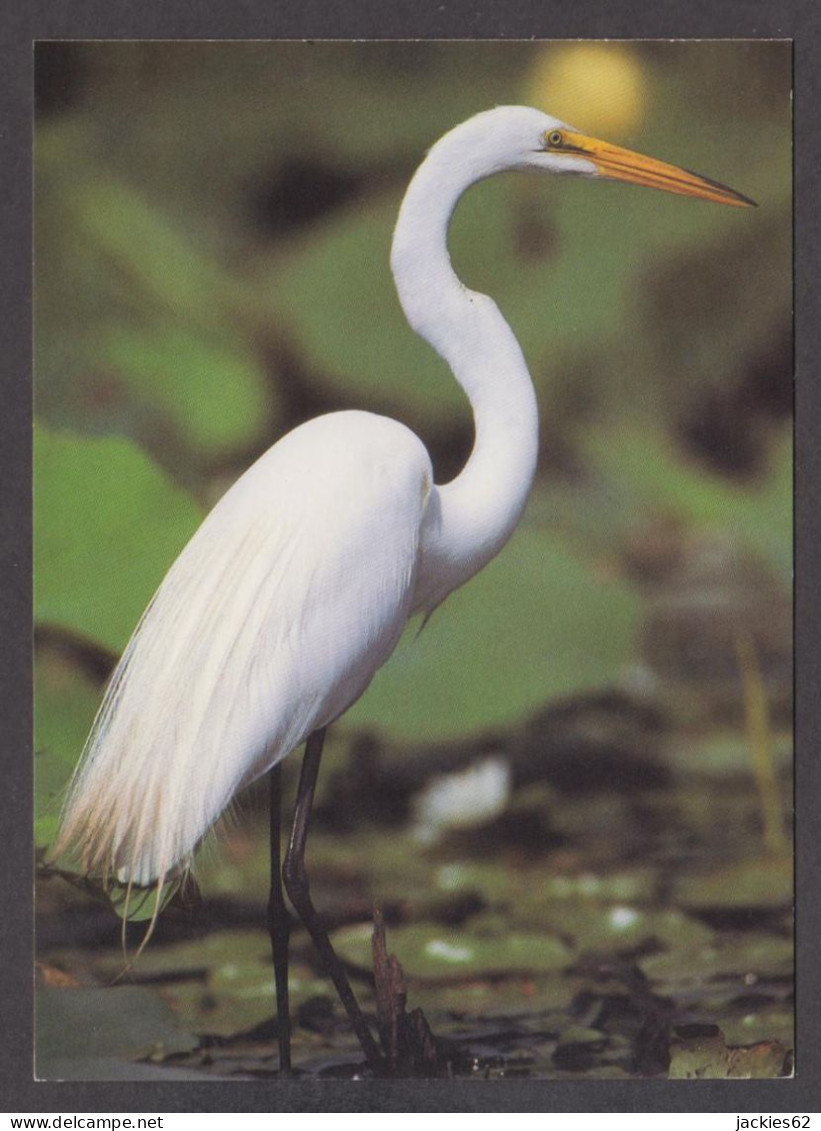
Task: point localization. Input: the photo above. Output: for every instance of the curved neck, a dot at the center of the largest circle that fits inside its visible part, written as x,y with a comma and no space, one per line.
480,508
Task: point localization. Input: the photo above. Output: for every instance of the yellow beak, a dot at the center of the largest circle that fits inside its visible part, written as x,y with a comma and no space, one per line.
619,164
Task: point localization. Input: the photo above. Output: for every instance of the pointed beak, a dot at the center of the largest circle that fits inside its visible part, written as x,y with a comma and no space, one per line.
619,164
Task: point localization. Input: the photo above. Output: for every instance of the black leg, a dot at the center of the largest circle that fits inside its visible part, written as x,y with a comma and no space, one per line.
296,884
279,923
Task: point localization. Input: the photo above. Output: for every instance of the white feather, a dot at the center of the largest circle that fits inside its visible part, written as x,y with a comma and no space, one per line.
271,622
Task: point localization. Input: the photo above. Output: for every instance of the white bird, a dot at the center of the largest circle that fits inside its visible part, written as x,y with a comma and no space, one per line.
299,583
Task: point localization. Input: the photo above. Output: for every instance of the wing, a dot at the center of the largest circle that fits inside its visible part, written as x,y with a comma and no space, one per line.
271,622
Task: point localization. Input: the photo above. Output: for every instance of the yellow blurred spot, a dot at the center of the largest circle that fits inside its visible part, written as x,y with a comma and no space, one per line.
598,87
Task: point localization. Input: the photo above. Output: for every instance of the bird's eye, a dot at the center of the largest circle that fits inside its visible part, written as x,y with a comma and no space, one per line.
555,138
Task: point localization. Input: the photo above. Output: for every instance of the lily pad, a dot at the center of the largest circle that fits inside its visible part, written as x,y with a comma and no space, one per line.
96,564
536,624
430,952
591,925
219,984
213,952
743,959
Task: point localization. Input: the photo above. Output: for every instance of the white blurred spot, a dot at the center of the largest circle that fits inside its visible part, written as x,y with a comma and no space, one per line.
438,948
622,918
450,877
459,800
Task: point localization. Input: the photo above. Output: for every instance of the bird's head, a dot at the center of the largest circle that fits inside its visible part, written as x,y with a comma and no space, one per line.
517,137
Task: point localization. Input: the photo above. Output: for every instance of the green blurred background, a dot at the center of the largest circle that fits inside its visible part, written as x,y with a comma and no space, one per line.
213,223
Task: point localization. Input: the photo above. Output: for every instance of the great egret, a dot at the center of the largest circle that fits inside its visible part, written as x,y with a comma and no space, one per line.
297,586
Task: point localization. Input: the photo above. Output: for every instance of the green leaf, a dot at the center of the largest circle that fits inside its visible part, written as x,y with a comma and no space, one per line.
212,391
536,624
138,326
139,905
146,250
108,524
759,955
